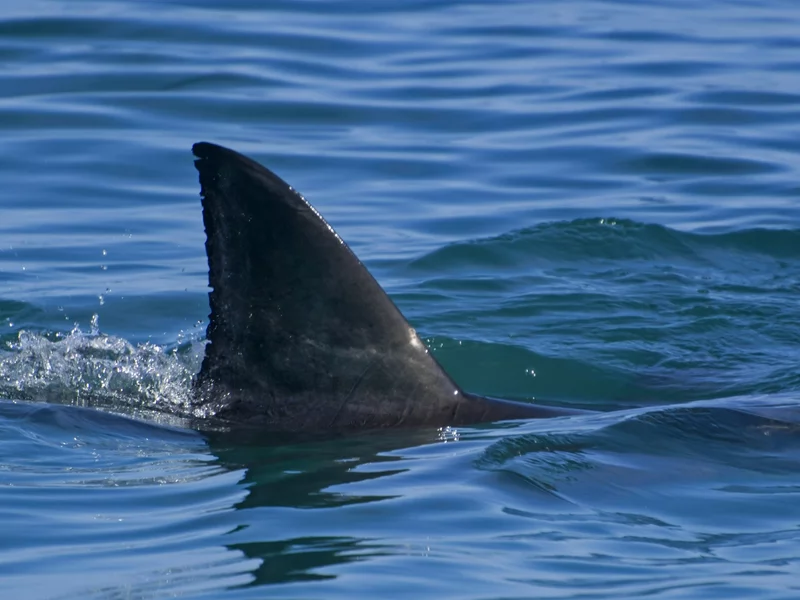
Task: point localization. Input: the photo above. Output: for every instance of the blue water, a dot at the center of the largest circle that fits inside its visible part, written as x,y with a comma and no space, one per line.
586,203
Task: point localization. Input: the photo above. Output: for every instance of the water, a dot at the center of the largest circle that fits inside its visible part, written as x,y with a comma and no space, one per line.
593,204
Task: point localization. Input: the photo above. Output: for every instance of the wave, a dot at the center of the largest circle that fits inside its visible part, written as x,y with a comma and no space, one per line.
594,240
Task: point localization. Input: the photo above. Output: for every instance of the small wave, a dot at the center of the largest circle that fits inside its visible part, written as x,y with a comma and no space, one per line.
603,239
759,435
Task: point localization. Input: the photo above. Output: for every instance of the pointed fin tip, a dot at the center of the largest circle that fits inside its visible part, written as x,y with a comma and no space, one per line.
222,169
208,151
203,150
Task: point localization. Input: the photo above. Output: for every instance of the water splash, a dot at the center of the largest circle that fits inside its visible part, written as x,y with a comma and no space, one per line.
448,434
99,371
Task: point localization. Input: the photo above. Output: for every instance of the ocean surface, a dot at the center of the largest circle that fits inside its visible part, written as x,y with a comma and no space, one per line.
583,203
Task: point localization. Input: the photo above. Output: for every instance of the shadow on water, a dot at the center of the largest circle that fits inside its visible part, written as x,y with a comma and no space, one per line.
600,465
301,509
309,472
301,559
146,467
300,471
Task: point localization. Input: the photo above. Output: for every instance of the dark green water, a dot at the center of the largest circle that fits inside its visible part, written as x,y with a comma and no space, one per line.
593,204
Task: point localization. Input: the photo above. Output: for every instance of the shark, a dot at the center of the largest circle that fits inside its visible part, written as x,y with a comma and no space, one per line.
301,338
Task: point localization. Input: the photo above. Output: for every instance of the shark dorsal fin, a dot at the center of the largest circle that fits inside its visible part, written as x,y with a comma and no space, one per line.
301,338
299,330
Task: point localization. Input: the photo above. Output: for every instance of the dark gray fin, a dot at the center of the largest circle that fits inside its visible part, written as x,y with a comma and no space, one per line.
301,336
